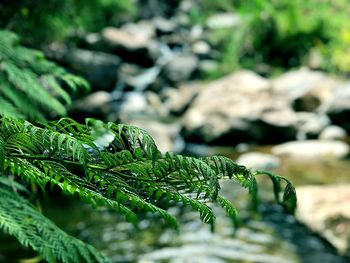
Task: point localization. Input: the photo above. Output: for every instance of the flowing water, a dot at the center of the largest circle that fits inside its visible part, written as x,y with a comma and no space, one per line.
271,237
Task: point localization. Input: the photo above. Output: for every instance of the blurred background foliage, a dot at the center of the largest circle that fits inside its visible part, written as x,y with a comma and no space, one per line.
44,21
277,33
280,33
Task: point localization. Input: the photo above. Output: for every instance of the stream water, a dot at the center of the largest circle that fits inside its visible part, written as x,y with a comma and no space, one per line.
271,237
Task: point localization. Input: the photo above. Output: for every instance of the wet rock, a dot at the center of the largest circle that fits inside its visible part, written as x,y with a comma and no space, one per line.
178,100
230,110
341,100
181,67
309,125
315,59
274,126
131,42
224,20
196,33
201,48
259,161
99,68
97,104
164,26
312,149
326,210
134,104
338,108
305,89
332,133
138,105
132,77
131,36
244,81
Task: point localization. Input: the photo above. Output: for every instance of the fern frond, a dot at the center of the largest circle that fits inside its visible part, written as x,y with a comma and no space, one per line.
289,199
230,210
30,84
125,172
21,220
7,109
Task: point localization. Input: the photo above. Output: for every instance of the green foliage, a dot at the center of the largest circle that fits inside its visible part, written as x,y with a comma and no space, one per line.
119,166
44,21
30,84
21,219
279,34
283,32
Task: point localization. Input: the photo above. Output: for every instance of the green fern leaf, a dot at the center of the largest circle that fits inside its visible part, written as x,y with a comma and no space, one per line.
289,200
30,84
21,220
127,173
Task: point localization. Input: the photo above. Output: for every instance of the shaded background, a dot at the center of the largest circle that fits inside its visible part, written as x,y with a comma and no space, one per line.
263,82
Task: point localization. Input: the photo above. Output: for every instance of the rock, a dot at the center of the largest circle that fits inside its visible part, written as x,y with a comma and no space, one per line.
99,68
341,100
312,149
166,135
138,105
134,104
338,108
92,40
315,59
130,37
306,90
326,211
230,110
178,100
131,42
97,104
309,125
201,48
244,81
181,67
332,133
136,78
164,26
196,33
223,20
274,125
155,103
187,6
259,161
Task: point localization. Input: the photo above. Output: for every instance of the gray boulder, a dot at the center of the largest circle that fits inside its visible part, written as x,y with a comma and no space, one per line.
131,42
309,124
332,133
178,100
164,26
305,89
326,211
312,149
259,161
238,108
338,108
130,36
181,67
